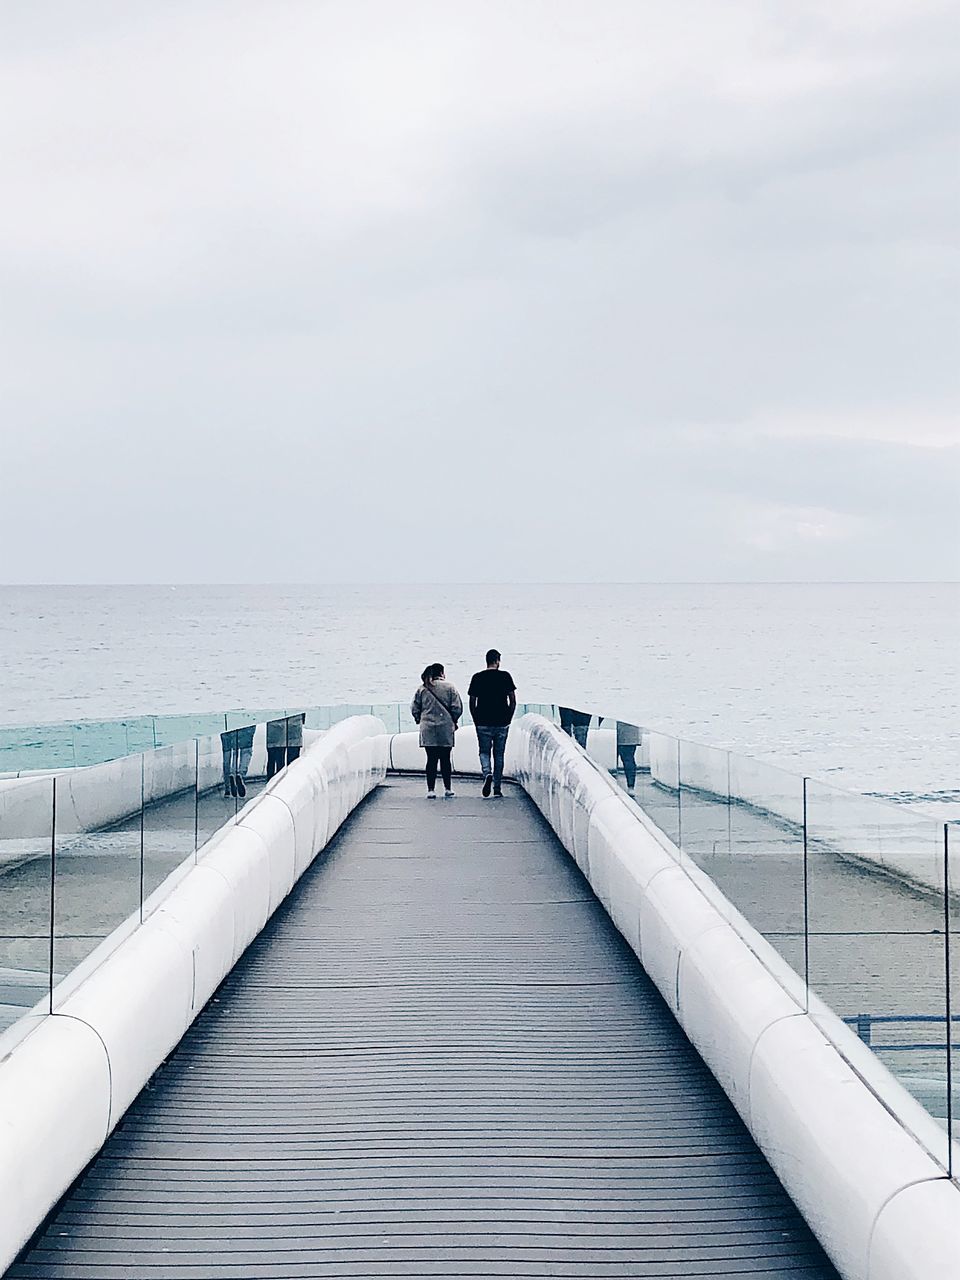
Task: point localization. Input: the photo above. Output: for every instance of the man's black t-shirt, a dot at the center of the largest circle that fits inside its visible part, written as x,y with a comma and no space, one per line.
491,688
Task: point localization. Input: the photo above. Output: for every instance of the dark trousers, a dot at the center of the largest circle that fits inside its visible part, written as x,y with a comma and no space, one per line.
628,756
492,740
277,757
438,756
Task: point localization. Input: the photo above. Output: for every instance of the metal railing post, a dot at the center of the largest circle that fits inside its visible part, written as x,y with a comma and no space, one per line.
806,905
948,994
53,888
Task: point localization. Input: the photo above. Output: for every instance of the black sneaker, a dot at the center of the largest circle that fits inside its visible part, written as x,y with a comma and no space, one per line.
233,785
241,789
498,794
487,784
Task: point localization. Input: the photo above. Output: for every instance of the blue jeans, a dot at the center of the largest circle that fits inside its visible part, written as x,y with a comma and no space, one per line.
492,737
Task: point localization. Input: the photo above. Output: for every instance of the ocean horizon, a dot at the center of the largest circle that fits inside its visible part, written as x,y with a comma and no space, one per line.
855,682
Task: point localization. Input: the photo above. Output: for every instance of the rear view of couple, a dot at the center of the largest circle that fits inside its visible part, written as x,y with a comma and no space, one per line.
437,708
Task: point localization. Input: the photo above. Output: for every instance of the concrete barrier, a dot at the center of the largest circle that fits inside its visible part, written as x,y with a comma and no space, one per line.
876,1199
67,1082
54,1117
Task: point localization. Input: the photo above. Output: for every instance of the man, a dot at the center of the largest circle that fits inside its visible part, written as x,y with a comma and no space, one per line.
244,754
295,735
575,723
493,700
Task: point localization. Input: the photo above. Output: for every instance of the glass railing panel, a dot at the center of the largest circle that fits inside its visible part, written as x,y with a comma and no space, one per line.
69,744
26,844
876,936
951,846
252,715
594,734
389,713
576,722
406,720
743,825
43,746
284,742
141,734
704,774
658,791
98,856
217,761
170,816
95,741
545,709
349,709
169,730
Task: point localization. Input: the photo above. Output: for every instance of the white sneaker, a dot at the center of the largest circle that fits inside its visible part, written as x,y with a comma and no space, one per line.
431,795
448,795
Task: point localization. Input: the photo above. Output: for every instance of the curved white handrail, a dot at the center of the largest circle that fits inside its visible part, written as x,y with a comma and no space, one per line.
877,1201
65,1084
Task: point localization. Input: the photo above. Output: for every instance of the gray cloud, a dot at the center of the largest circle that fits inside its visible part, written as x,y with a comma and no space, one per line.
679,278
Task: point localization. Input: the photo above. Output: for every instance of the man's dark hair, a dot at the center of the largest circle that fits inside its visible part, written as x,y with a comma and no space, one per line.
493,655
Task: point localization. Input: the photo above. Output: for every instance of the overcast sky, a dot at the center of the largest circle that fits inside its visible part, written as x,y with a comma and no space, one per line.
348,290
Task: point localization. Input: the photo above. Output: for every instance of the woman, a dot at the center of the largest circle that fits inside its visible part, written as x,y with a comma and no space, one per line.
437,709
628,739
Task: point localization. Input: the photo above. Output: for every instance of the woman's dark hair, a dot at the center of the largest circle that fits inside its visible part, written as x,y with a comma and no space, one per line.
433,672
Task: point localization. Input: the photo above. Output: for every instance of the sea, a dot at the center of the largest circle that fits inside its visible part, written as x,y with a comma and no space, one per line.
855,683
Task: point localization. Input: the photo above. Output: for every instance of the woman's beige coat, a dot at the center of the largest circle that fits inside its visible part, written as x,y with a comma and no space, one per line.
435,707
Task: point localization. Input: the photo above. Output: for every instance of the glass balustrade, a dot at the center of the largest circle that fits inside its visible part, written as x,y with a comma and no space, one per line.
26,895
858,896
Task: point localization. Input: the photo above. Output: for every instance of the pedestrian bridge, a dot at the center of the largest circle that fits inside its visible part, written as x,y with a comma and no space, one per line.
360,1034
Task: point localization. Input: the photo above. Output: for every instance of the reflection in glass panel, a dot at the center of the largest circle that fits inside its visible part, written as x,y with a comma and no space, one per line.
276,740
876,931
95,741
43,746
598,736
318,718
758,860
407,724
26,829
704,774
294,736
576,723
238,719
169,811
98,863
140,735
171,729
658,783
545,709
215,801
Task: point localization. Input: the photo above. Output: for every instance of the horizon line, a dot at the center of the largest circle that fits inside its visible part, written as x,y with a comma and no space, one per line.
528,582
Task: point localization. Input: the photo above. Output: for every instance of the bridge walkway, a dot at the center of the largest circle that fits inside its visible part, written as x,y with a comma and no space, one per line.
438,1059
